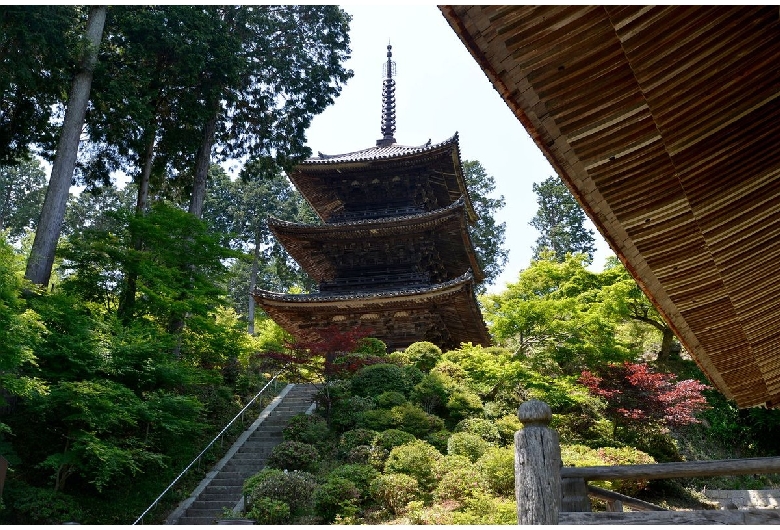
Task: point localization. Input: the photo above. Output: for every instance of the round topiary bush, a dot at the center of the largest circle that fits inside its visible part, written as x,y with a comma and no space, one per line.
375,420
292,488
417,459
296,456
497,466
388,400
360,474
394,491
485,429
424,355
414,420
461,483
308,428
376,379
269,511
467,444
354,438
338,496
393,438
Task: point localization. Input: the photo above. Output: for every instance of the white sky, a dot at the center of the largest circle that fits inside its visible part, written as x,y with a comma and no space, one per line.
440,90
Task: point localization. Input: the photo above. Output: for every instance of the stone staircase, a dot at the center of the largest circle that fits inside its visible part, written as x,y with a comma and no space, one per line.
222,486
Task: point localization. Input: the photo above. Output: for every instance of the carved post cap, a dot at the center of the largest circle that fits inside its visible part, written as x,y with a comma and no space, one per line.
534,412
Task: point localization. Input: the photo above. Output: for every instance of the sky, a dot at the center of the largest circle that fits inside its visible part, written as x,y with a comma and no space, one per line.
440,90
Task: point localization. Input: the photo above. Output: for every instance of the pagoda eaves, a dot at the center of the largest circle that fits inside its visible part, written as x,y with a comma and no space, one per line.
362,253
394,179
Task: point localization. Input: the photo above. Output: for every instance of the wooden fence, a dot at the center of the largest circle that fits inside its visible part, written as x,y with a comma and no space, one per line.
548,493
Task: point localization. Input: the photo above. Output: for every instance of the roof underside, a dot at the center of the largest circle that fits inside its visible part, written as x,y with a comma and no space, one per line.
436,244
664,122
446,314
428,177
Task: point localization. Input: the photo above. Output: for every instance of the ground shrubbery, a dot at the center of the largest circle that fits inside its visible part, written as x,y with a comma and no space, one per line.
428,438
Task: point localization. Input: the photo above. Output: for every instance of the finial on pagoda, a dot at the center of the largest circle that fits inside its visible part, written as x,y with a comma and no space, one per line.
388,101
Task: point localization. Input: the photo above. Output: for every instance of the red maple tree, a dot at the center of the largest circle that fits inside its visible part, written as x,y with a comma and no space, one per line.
638,396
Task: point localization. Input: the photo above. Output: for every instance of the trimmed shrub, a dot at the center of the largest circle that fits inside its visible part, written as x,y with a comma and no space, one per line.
375,420
414,420
294,456
460,483
388,400
336,497
310,429
345,412
463,403
269,511
431,393
295,489
467,444
393,438
439,439
580,455
354,438
497,467
360,454
379,378
448,463
507,427
394,491
486,510
414,375
485,429
424,355
371,346
360,474
416,459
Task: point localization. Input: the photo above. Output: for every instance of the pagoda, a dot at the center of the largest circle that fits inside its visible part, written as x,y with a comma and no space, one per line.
393,254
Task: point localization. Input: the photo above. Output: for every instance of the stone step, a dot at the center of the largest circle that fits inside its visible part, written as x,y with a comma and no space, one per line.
228,481
197,520
225,488
207,496
214,506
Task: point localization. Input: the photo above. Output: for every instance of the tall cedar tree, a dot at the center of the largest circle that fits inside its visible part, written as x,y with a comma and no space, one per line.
47,233
560,222
486,234
35,45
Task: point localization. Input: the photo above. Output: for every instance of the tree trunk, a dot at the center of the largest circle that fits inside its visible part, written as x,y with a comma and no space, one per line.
127,301
202,163
250,315
41,260
667,341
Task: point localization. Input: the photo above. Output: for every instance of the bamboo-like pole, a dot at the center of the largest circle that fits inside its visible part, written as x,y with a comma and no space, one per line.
537,466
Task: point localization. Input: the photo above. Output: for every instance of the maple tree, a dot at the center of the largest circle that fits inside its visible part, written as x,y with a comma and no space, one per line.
639,397
336,352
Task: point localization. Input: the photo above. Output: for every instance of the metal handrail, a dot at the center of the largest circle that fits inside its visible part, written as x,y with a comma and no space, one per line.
217,437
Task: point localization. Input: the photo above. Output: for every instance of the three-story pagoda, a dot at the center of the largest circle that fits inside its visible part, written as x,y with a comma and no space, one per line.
393,256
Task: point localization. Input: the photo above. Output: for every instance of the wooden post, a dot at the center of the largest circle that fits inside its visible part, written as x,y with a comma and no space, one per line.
537,466
574,495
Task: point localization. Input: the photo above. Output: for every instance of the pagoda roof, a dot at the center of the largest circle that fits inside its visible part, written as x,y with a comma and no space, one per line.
320,249
393,151
446,314
326,180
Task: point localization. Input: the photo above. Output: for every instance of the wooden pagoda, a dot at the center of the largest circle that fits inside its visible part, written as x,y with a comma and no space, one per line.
393,256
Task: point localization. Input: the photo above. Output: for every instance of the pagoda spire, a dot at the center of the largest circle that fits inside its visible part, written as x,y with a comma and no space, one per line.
388,101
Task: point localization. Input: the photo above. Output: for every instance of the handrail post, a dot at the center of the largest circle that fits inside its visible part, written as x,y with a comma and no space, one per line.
537,466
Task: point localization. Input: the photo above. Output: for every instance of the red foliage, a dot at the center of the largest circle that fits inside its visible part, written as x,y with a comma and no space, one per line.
637,395
334,346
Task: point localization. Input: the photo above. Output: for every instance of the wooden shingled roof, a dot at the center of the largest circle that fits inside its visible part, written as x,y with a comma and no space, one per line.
437,239
384,175
664,123
445,314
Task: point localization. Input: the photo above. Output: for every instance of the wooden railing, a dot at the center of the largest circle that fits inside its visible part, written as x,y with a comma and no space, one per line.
548,493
